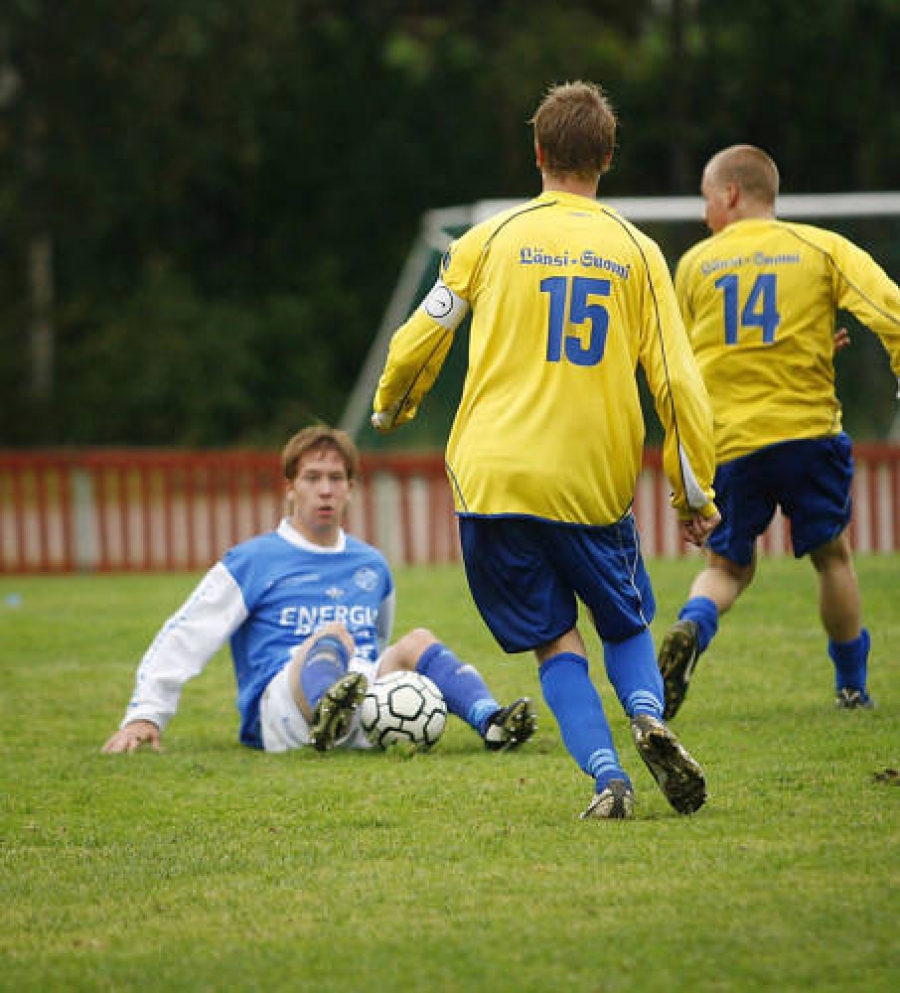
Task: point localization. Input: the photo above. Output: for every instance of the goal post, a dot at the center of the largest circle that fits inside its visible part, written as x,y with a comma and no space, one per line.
872,219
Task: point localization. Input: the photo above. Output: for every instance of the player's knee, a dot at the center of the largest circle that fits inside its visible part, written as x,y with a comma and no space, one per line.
413,644
722,576
740,574
743,575
835,554
334,631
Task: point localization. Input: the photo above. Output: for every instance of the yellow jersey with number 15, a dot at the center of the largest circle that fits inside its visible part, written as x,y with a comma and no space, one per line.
759,301
567,298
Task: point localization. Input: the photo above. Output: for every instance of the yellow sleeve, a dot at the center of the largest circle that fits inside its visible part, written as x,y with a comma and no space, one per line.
415,356
680,396
420,346
865,289
682,291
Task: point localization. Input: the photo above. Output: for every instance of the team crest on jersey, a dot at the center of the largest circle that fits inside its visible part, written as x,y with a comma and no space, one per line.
334,592
366,579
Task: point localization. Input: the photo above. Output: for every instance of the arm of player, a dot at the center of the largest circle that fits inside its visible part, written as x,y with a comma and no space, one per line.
180,651
681,401
865,289
415,357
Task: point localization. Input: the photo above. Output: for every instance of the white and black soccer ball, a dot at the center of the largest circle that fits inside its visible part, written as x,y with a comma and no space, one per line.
403,708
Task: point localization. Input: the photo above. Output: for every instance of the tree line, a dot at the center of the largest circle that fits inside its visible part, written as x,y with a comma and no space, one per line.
205,205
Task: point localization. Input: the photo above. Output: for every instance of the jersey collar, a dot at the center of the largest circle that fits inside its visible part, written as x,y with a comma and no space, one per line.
287,531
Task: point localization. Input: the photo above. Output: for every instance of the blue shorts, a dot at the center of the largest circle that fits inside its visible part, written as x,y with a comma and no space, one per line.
809,479
527,575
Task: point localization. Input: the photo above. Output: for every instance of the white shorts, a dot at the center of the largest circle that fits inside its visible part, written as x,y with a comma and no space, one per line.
283,725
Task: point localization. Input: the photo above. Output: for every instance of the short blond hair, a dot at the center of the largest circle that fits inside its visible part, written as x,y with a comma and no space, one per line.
316,438
575,126
748,167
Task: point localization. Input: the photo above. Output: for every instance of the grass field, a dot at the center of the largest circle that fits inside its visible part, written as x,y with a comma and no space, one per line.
212,867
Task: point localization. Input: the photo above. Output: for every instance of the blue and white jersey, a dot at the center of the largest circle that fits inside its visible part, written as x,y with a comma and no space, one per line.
266,596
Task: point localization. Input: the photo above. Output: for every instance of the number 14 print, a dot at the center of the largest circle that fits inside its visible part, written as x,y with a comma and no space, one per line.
760,309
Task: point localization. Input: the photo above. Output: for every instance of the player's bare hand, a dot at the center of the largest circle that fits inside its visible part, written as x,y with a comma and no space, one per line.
132,737
695,530
841,340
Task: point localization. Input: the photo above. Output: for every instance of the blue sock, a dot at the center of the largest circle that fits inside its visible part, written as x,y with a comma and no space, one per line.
632,670
465,692
850,661
576,705
705,614
324,664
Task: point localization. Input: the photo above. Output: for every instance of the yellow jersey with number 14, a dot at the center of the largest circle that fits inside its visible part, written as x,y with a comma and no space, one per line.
759,301
567,298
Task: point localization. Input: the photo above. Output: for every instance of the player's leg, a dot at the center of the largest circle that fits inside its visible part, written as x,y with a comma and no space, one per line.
464,689
610,577
819,505
840,610
745,500
325,692
285,724
528,608
575,703
317,663
633,673
712,594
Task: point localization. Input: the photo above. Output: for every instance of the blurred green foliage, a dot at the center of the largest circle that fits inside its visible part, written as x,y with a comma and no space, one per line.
230,189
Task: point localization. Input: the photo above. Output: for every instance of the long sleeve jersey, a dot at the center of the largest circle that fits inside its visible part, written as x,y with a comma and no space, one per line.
759,301
265,597
567,298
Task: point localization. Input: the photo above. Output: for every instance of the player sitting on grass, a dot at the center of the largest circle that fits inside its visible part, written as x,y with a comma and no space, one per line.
759,300
308,610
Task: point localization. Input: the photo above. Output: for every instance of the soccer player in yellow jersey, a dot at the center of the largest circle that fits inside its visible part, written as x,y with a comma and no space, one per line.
567,298
759,300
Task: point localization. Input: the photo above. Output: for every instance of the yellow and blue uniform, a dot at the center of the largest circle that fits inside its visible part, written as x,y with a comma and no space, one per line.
759,301
567,299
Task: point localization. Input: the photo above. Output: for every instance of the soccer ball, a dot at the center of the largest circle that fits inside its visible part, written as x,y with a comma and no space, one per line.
403,708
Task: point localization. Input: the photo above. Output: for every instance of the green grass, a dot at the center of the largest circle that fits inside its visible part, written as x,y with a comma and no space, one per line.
212,867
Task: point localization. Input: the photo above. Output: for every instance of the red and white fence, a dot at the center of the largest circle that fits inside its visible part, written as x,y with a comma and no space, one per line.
144,510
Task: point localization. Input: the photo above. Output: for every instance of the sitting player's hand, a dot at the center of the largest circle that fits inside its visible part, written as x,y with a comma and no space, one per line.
132,736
